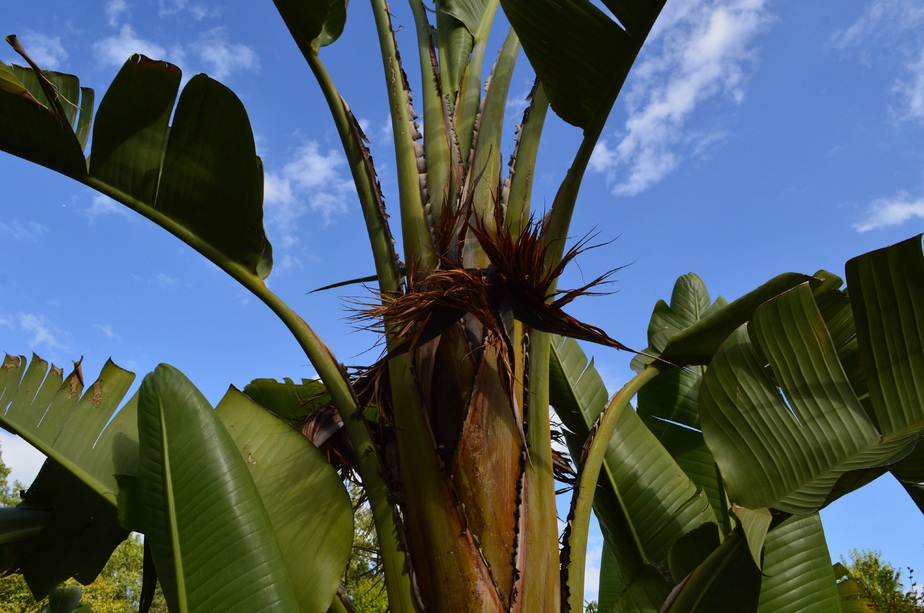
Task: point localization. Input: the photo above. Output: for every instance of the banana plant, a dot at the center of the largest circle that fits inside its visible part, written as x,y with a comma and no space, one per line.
790,397
233,489
452,392
449,432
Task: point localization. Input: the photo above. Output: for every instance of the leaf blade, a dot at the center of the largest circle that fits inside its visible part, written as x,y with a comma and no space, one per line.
202,507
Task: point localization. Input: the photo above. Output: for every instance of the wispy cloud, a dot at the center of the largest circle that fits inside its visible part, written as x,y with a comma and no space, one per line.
114,50
881,21
115,9
165,281
592,570
311,181
42,332
897,28
377,132
893,211
107,331
222,57
197,10
212,51
910,90
24,232
102,206
888,35
47,51
700,50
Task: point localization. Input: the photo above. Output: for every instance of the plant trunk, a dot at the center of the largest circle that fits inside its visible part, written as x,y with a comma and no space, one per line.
464,466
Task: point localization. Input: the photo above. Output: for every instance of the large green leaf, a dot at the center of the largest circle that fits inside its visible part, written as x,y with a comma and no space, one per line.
31,129
768,447
288,399
79,532
644,501
780,411
582,56
73,497
697,343
887,294
179,176
215,196
63,419
210,535
131,128
854,598
313,23
669,404
67,524
690,302
308,507
470,12
797,569
727,581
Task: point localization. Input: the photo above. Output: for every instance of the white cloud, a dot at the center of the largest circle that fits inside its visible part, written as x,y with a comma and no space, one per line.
165,281
911,90
517,103
602,158
43,333
107,331
104,205
883,19
115,50
27,232
897,26
221,57
46,51
114,11
888,212
378,132
699,52
311,181
211,52
197,10
592,573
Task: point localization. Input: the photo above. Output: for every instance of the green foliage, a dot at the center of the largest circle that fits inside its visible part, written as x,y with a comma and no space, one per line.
364,579
9,494
799,391
882,582
116,590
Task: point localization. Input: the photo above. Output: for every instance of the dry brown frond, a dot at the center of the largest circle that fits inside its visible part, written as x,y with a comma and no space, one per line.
515,286
430,306
526,286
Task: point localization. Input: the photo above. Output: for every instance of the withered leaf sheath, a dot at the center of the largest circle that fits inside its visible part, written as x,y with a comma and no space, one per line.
515,286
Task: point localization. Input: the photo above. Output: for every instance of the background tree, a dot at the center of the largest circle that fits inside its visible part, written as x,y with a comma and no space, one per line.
364,578
116,589
14,593
882,582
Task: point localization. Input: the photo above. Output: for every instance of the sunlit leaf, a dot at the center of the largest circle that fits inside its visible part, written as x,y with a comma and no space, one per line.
202,508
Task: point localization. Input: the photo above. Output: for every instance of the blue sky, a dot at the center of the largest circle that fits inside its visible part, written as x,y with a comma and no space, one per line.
753,137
